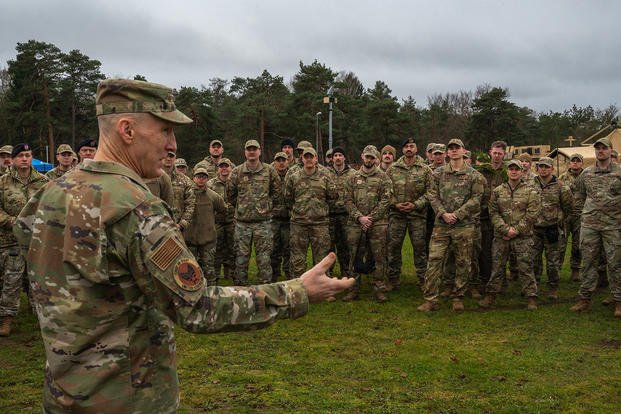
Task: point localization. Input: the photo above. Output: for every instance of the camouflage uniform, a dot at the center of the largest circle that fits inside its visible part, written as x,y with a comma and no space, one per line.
107,296
308,198
458,192
184,198
253,193
409,184
208,164
339,220
572,223
54,173
225,255
162,187
281,253
556,203
516,208
369,194
598,199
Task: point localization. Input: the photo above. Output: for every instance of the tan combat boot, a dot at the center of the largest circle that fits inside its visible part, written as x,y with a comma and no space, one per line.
553,294
447,291
608,300
458,305
475,293
617,309
380,297
488,301
532,303
575,275
5,326
428,307
351,296
582,305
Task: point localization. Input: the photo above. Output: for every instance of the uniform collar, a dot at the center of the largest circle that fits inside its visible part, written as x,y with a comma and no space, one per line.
109,167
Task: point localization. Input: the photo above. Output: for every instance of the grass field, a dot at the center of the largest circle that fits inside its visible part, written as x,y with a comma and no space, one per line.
383,358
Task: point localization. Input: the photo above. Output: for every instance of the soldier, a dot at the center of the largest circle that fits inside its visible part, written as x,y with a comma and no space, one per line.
299,163
389,153
108,296
429,153
253,187
86,149
598,195
468,158
437,159
287,146
329,157
16,187
64,156
367,198
210,163
556,203
455,195
184,196
338,213
5,159
225,227
281,252
162,187
513,208
182,167
308,193
572,221
527,162
410,178
201,236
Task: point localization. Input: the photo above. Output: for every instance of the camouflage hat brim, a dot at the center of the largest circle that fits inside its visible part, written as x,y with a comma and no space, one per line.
175,117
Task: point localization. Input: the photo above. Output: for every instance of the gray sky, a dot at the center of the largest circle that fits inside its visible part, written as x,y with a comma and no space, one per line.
550,54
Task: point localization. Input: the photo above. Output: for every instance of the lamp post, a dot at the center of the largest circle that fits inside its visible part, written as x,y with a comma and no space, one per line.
331,99
317,136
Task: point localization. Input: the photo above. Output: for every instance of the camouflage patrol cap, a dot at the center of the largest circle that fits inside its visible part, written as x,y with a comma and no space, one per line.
64,148
515,163
115,96
438,148
329,152
546,161
391,149
201,170
303,144
525,156
370,150
7,149
430,146
180,162
214,142
605,141
252,143
614,154
279,154
309,150
227,162
455,141
576,155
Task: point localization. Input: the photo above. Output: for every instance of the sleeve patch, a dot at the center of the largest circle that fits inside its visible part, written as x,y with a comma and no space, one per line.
188,275
168,251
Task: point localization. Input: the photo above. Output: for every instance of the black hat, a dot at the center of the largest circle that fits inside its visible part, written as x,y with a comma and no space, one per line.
20,148
287,141
408,141
338,149
89,142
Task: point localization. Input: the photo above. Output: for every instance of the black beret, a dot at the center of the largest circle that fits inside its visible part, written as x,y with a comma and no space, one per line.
20,148
408,141
89,142
338,149
287,141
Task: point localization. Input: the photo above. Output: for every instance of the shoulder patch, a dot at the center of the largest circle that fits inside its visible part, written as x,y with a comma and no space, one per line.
168,251
188,275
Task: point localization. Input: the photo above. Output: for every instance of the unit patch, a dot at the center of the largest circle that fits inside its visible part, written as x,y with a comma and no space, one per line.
188,275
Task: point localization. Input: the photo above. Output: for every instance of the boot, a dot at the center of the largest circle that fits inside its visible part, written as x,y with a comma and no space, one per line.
575,275
617,309
428,307
5,325
380,297
393,284
488,301
475,293
582,305
351,296
608,300
458,305
532,303
447,291
553,294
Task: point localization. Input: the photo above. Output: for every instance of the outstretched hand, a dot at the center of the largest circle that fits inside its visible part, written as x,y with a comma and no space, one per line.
319,286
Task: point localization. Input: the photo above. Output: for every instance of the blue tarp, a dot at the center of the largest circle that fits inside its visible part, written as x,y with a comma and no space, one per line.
41,166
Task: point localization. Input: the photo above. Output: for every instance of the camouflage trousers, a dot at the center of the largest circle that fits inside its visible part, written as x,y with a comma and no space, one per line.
225,250
317,235
522,247
573,227
417,229
261,233
205,255
377,236
12,270
338,236
449,264
281,257
444,240
592,243
552,251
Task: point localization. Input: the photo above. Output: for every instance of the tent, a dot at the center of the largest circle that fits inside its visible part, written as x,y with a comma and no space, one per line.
41,166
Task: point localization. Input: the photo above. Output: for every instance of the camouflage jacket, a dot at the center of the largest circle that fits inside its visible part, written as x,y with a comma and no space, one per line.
598,197
4,170
493,179
280,210
219,187
557,202
203,228
253,192
409,184
368,194
14,194
208,164
458,192
184,198
54,173
162,187
516,208
309,197
569,179
340,179
107,296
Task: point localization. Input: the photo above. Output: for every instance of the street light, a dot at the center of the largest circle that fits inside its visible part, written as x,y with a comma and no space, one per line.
317,116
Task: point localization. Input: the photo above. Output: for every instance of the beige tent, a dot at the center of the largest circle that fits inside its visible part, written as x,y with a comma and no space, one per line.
561,156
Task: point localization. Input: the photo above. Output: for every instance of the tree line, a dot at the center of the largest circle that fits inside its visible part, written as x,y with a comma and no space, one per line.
47,97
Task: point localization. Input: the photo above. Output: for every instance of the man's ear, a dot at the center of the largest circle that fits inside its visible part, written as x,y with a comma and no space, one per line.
125,130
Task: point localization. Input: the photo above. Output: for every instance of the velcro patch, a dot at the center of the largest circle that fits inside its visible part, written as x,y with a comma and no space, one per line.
188,275
168,251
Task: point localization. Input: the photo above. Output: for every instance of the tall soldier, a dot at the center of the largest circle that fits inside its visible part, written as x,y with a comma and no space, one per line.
16,187
210,163
411,179
183,191
64,156
281,257
253,188
572,221
455,195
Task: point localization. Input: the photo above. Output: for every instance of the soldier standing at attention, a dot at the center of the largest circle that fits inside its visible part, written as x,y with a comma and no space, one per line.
5,158
513,208
299,163
410,178
428,153
183,192
556,202
389,153
281,257
308,194
455,196
210,163
225,227
19,184
367,197
438,156
329,157
598,194
86,149
130,275
253,187
527,162
572,222
64,156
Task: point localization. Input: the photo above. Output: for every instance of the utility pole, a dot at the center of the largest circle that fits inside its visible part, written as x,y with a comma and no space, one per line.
330,99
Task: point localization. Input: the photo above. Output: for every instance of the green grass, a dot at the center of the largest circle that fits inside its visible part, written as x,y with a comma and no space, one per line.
388,358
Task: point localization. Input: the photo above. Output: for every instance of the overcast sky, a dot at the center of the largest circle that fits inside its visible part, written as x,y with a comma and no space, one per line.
550,54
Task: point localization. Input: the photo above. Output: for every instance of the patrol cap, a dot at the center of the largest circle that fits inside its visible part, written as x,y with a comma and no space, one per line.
515,163
252,143
370,150
64,148
438,148
430,146
605,141
546,161
287,141
525,156
456,141
227,162
339,150
329,152
88,142
576,155
391,149
20,148
303,144
214,142
408,141
309,150
278,155
201,170
180,162
7,149
115,96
